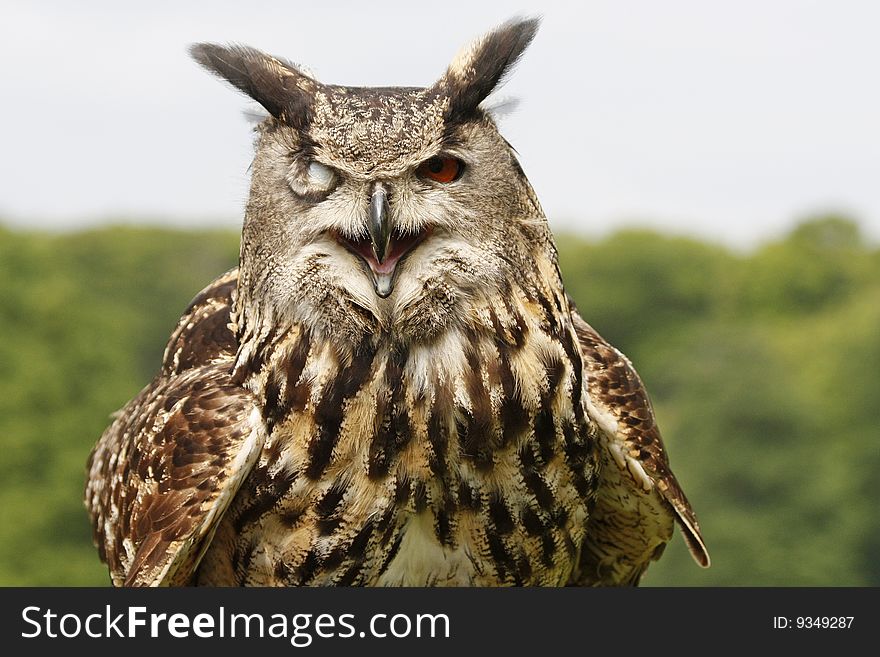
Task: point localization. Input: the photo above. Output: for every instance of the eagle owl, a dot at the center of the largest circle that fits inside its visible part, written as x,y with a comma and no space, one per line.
392,388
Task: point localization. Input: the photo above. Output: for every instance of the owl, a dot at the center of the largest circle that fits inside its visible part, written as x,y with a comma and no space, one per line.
393,388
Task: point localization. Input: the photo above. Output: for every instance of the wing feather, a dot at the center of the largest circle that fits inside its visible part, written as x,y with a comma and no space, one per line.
168,466
639,496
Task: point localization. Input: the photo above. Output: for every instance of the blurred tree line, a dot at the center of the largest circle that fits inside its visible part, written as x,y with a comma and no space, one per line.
763,368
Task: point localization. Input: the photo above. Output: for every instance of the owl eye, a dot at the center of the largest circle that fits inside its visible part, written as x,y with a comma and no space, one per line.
320,175
310,179
441,169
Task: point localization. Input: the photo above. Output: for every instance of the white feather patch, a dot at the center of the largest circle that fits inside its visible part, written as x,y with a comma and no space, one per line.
421,559
617,447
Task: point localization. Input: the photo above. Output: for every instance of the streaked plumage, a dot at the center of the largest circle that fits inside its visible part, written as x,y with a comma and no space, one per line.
393,388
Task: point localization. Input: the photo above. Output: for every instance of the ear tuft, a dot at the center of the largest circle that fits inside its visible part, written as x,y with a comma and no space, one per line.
280,87
481,67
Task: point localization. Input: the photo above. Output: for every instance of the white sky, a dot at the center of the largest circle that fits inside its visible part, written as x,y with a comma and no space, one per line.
728,120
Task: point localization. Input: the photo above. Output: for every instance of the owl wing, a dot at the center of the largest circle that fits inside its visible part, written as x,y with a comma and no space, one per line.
165,470
639,498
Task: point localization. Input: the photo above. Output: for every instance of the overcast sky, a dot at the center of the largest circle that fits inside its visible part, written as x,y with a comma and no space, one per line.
728,120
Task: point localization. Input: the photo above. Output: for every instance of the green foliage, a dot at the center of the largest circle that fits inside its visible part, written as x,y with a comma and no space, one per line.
762,367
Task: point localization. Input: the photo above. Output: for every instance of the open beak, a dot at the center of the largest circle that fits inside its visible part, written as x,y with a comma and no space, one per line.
385,247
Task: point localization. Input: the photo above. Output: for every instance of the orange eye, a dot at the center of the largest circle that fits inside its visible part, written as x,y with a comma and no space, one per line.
441,169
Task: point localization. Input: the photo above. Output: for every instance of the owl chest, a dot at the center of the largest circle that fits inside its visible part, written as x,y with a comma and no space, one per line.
414,469
464,529
404,500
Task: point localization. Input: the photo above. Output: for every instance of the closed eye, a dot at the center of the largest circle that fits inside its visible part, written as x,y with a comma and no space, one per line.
310,179
320,175
441,169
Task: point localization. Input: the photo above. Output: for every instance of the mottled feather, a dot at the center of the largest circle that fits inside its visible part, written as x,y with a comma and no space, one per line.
166,469
639,496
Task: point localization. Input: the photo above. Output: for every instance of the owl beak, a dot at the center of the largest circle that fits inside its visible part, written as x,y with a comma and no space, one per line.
380,223
386,246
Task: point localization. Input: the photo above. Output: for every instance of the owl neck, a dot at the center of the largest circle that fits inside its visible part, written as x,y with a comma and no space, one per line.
443,312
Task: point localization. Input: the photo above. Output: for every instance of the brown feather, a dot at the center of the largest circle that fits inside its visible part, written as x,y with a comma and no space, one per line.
173,459
616,388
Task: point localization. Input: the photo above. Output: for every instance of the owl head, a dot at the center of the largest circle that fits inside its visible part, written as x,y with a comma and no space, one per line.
381,212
